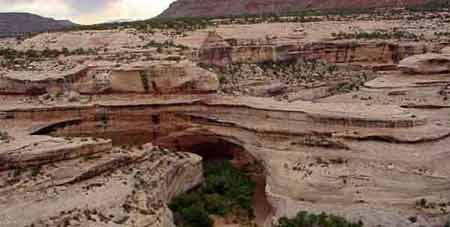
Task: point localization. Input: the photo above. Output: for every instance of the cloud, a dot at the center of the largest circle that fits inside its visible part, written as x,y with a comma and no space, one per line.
54,8
89,5
88,11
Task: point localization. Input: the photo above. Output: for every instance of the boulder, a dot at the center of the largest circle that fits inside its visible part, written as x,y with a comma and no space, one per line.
425,64
183,77
72,96
446,50
268,90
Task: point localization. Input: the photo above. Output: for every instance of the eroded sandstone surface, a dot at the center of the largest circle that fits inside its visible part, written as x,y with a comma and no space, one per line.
426,64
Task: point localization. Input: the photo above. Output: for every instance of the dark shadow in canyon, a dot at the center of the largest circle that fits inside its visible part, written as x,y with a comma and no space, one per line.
213,148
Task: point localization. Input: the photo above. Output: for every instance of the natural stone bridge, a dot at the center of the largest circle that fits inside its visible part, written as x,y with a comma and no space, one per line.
341,158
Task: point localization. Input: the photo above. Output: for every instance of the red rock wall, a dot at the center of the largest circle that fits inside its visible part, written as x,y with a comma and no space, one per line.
216,8
332,52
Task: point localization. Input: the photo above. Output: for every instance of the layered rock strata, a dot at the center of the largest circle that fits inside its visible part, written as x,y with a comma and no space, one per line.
221,53
156,78
426,64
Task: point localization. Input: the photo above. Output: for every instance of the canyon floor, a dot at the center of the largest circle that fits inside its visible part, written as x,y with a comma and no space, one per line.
348,115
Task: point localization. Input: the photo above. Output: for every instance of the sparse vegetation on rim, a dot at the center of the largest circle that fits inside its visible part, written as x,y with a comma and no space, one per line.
9,53
300,73
149,26
165,44
186,24
10,57
431,6
399,35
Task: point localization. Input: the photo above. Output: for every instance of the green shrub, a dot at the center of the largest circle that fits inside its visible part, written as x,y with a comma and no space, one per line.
227,181
193,216
4,135
376,35
215,203
35,171
11,55
185,200
224,191
430,5
153,43
304,219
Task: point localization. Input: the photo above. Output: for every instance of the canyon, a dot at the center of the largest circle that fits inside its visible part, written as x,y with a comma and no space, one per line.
357,128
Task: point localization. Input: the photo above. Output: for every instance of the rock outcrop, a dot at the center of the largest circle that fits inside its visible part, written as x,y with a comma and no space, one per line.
157,78
215,50
425,64
117,187
445,50
30,151
220,52
216,8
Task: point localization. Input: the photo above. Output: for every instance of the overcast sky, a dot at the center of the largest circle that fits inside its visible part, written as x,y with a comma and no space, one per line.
88,11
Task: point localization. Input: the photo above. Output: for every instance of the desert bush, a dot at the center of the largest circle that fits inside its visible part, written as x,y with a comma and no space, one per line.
13,56
153,43
442,34
35,171
376,35
4,135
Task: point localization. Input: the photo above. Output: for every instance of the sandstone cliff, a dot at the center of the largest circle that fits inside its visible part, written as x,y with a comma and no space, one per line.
114,187
158,78
215,8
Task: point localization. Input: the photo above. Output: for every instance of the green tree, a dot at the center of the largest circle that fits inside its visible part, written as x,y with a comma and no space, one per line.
225,190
